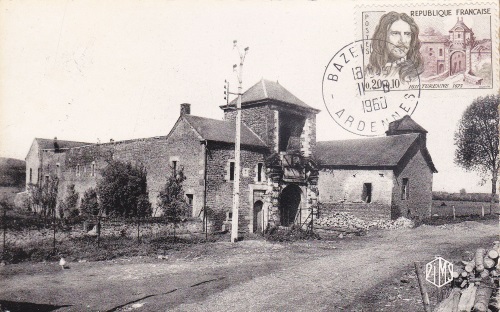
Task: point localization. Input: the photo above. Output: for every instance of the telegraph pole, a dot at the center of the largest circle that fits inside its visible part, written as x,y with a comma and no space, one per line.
237,143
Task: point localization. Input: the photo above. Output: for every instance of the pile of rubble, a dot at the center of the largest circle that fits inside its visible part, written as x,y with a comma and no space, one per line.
348,221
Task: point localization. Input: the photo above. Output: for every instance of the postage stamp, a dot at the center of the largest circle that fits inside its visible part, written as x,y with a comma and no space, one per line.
450,45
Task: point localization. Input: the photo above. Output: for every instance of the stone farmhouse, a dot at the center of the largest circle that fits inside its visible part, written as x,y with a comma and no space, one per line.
284,171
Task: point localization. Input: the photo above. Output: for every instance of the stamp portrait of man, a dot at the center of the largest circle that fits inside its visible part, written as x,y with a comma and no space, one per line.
396,48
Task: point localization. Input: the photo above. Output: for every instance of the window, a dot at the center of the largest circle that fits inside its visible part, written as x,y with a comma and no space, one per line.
189,199
231,171
259,172
174,167
458,35
405,194
440,52
367,193
31,175
174,164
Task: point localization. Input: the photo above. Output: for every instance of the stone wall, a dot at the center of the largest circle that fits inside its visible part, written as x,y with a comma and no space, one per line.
264,120
258,118
345,189
367,212
82,166
32,164
419,200
220,188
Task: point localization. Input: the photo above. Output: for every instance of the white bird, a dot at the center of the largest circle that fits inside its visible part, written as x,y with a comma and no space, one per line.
62,263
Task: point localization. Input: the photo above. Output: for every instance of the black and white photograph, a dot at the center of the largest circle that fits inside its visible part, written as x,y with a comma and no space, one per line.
249,155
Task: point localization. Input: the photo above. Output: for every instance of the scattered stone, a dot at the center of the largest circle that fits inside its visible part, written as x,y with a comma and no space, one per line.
348,221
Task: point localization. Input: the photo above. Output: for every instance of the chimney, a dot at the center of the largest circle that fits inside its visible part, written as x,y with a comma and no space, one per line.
56,145
185,109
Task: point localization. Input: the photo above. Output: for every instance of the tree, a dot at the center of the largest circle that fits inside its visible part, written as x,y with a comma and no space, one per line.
69,203
172,200
463,191
90,205
49,194
122,189
476,140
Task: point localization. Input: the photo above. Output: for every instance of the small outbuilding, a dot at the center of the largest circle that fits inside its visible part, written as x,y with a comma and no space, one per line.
384,177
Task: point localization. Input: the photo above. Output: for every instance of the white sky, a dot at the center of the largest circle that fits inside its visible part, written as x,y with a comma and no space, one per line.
95,70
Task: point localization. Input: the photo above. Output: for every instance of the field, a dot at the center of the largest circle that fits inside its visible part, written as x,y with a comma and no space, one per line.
462,208
9,192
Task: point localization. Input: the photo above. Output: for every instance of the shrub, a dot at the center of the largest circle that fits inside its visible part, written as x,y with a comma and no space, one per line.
294,233
122,189
89,205
70,202
171,198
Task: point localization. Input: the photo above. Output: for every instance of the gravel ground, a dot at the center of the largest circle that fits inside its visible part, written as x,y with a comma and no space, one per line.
350,274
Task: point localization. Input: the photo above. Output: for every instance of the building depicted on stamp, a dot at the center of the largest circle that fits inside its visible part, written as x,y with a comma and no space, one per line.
458,53
284,171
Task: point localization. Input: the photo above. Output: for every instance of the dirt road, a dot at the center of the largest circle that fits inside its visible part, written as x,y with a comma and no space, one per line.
252,275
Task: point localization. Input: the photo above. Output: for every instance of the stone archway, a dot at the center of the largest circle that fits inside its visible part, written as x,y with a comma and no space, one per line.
289,204
258,216
457,62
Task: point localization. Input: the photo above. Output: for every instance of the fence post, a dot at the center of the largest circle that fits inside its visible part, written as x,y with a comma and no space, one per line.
482,211
4,227
138,230
453,206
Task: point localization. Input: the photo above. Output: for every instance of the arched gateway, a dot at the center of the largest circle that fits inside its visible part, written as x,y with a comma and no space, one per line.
289,204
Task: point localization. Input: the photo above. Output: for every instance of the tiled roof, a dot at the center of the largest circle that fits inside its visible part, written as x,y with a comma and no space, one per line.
461,25
223,131
482,45
373,152
432,38
49,143
270,90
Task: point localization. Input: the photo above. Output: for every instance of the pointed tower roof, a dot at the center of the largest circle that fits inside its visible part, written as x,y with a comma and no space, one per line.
403,126
460,24
266,90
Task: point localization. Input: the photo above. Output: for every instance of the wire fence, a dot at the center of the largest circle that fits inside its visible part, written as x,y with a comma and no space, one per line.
24,234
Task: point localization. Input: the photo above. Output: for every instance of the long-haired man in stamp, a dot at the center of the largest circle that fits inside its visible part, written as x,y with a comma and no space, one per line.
396,48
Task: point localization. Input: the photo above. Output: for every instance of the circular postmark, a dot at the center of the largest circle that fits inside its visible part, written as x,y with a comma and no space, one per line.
364,96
